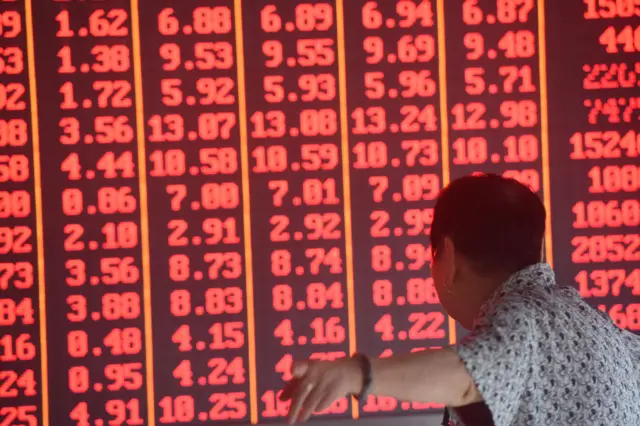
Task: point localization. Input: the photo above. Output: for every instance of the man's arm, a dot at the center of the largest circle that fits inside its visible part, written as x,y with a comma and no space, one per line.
436,376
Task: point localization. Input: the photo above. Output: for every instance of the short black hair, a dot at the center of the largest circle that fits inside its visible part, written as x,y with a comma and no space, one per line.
496,222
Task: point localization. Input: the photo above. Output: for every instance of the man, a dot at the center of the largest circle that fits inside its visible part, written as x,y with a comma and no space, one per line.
537,354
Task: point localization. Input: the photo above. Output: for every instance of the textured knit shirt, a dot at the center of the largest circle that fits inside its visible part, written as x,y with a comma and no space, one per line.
540,355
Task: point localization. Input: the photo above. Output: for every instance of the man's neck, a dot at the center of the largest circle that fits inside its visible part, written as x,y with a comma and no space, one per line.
485,288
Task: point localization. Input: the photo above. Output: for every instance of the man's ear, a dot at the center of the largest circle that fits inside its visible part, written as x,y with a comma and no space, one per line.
449,259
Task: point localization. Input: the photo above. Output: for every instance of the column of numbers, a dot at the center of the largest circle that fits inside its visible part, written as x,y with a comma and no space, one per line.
90,195
20,351
396,174
600,251
195,190
493,89
296,192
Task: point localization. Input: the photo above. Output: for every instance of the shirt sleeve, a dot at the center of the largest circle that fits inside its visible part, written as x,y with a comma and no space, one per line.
498,355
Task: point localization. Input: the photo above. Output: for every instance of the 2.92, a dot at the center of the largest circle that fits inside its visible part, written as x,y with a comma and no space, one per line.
318,226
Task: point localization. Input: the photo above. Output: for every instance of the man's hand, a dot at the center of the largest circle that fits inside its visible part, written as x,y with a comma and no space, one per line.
317,384
438,376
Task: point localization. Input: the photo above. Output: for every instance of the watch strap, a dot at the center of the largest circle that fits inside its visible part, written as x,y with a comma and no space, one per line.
367,376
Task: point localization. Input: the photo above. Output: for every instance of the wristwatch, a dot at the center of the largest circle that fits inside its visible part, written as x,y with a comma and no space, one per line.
367,377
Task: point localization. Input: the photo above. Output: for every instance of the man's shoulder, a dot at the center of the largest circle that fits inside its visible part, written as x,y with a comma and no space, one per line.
545,311
529,292
527,302
633,343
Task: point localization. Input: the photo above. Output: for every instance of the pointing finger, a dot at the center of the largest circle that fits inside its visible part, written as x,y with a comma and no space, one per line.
299,368
326,402
298,399
289,389
310,404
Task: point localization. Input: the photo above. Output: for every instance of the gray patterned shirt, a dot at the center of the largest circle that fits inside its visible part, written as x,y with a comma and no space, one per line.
540,355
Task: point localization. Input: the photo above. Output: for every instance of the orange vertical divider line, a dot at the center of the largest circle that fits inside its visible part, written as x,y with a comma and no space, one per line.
444,120
246,208
346,185
144,210
544,129
37,185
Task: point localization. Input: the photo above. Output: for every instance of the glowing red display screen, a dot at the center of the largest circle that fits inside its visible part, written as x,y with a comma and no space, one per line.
195,193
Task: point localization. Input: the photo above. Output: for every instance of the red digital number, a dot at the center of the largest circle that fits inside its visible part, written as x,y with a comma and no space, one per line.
18,275
606,248
13,132
605,282
180,409
14,240
227,406
18,348
25,414
13,384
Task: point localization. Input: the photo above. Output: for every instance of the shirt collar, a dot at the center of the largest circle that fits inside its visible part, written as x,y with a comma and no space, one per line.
536,275
539,274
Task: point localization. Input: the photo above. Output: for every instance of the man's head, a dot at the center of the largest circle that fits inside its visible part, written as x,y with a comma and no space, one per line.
484,229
